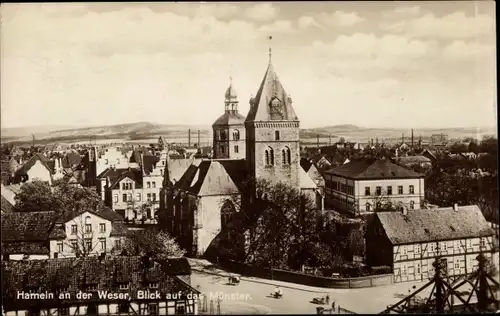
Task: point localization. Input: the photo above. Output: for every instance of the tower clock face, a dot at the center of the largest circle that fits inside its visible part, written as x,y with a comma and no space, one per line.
276,107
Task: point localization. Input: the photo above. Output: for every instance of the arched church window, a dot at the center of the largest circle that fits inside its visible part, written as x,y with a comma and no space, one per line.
286,156
270,156
226,213
236,134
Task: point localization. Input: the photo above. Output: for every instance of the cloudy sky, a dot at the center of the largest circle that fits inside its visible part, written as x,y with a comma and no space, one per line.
374,64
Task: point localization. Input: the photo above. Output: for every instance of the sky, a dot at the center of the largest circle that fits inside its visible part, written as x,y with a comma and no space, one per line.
372,64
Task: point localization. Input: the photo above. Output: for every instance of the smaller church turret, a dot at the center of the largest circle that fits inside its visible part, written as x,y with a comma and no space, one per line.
229,129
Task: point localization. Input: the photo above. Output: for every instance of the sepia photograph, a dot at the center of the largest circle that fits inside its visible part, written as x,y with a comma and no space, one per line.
247,158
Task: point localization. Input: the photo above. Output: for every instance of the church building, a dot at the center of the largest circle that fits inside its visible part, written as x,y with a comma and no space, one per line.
264,145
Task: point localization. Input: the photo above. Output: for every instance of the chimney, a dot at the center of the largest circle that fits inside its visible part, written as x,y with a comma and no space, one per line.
199,140
412,137
189,137
455,207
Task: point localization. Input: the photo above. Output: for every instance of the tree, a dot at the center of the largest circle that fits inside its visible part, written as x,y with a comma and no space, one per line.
61,198
84,242
383,203
153,242
283,220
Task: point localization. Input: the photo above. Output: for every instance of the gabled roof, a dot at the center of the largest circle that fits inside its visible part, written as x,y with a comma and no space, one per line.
213,177
269,89
371,169
23,170
104,212
27,226
229,118
413,159
434,225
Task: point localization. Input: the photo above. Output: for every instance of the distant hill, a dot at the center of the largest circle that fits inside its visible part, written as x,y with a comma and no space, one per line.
147,130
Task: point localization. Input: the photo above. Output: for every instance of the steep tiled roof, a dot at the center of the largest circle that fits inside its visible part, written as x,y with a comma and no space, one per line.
26,248
372,169
27,226
210,178
316,176
75,274
105,213
413,159
118,229
177,167
269,89
229,119
436,224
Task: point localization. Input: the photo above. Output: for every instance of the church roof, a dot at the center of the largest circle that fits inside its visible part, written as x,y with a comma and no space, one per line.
271,89
305,180
213,177
229,118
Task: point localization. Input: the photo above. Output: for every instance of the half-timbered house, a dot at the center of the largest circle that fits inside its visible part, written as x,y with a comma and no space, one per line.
409,241
113,286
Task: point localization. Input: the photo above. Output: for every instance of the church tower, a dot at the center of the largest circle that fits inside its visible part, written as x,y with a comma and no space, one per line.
272,129
229,129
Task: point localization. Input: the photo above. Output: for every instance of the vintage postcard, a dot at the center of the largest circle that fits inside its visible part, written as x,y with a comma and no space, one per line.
249,158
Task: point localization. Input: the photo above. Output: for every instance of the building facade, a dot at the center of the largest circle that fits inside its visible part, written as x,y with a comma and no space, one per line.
410,242
365,185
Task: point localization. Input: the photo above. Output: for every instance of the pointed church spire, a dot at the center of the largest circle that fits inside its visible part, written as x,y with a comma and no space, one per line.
270,49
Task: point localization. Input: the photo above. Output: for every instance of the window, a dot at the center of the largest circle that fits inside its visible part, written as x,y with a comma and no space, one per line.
180,310
64,311
74,229
124,186
389,190
236,150
88,225
367,191
286,156
153,285
118,243
400,189
154,197
138,197
483,243
115,198
102,227
222,149
418,268
417,249
277,135
88,244
154,184
378,190
149,197
153,309
404,250
124,197
163,163
123,309
404,269
74,245
412,205
236,134
129,197
148,184
368,207
60,247
102,242
123,286
222,135
412,189
269,157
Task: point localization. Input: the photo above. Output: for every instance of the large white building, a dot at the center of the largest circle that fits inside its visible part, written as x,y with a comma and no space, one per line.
359,185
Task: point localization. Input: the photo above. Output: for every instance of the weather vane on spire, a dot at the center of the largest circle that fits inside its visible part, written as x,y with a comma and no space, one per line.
270,51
